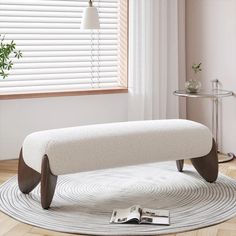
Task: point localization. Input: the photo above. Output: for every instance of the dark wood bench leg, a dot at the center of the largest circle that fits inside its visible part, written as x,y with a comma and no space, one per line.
180,165
48,184
28,178
207,166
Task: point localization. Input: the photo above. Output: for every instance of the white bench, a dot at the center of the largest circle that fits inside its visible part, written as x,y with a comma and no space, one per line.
47,154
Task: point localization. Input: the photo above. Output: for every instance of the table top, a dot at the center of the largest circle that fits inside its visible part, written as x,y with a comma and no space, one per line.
215,93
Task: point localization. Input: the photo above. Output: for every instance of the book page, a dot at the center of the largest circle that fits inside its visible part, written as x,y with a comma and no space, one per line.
151,216
126,215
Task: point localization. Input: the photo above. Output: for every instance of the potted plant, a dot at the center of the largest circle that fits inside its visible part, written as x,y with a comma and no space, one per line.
194,85
7,49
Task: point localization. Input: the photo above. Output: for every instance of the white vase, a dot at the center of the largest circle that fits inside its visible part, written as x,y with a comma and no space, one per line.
192,86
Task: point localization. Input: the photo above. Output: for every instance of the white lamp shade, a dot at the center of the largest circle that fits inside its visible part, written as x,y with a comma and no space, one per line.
90,18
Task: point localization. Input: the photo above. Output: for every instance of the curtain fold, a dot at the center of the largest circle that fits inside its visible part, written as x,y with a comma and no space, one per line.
157,58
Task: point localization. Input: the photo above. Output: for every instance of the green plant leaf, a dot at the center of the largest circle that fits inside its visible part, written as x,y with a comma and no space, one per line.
6,50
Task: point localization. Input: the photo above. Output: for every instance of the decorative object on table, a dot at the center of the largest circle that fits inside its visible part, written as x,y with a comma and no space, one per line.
7,49
215,94
90,18
83,203
194,85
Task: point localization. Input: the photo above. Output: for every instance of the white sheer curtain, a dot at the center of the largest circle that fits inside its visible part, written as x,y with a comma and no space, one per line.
157,58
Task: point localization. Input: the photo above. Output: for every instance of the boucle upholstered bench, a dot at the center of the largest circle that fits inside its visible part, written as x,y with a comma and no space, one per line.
50,153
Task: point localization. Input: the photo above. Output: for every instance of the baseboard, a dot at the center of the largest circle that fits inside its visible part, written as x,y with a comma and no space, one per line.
7,158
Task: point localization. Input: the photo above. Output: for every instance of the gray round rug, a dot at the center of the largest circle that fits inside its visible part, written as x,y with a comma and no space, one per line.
83,202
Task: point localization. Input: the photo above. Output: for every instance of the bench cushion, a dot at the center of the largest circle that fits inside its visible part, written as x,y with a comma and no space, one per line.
93,147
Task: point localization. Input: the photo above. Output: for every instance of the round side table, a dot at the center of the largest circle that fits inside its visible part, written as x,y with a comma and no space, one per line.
215,95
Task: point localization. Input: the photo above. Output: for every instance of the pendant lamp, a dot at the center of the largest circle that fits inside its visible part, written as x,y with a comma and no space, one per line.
90,18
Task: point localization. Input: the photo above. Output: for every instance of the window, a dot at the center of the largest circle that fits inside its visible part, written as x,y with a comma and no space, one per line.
57,55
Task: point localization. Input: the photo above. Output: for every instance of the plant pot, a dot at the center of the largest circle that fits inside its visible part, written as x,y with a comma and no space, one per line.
192,86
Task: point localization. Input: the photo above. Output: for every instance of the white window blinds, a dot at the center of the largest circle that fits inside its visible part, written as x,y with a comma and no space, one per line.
57,54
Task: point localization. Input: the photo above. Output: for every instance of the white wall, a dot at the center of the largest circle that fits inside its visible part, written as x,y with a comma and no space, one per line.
211,39
20,117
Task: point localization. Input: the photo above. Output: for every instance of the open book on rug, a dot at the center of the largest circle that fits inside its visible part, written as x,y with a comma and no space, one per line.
136,214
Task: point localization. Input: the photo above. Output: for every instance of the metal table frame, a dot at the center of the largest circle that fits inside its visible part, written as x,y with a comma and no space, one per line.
215,94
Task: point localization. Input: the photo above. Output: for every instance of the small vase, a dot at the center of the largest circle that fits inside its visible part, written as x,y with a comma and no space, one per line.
192,86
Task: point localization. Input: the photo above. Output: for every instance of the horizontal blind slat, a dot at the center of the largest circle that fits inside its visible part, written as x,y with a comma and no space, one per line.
54,14
54,9
51,25
68,53
77,3
57,82
58,76
37,19
78,37
68,48
67,70
96,42
64,59
96,65
53,31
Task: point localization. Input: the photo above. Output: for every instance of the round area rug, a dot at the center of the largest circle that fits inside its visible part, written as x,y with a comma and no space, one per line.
83,202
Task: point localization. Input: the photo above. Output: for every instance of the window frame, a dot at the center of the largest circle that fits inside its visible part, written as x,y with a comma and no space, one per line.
123,67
